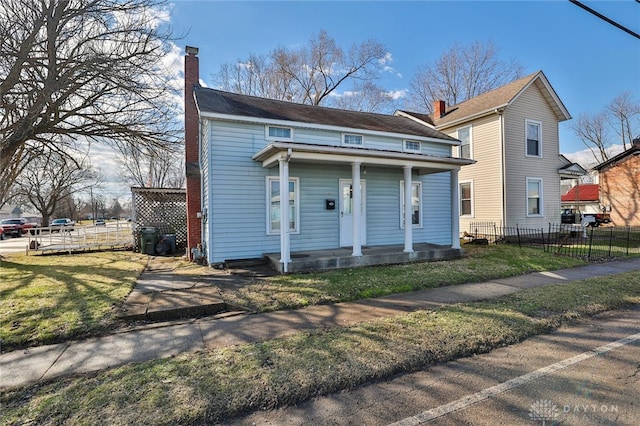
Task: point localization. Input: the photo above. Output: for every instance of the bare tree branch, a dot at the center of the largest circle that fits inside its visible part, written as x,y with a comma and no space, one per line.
89,69
51,178
459,74
306,75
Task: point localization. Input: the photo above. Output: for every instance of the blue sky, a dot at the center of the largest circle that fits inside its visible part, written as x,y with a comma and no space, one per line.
587,60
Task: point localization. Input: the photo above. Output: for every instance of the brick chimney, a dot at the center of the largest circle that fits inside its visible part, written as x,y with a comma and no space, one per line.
191,138
439,109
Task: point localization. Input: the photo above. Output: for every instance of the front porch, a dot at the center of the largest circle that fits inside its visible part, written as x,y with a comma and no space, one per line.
316,260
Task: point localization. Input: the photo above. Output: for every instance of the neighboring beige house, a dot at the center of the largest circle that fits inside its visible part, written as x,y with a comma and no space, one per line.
512,134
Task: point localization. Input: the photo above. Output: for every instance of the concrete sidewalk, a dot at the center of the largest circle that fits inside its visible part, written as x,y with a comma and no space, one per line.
24,367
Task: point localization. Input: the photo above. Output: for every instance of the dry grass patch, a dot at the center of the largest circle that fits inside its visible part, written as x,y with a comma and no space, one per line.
480,263
211,386
48,299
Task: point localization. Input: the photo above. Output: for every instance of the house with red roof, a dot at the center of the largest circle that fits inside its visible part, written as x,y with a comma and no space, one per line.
583,197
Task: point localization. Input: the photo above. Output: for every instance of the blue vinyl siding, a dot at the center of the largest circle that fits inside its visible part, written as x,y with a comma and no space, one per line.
235,193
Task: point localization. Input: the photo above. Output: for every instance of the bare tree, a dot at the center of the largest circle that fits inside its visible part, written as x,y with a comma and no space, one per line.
618,123
367,97
81,69
154,168
52,178
459,74
625,118
307,75
592,131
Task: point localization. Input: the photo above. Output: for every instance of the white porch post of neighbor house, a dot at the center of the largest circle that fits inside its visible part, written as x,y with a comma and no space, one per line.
455,211
408,211
357,208
285,232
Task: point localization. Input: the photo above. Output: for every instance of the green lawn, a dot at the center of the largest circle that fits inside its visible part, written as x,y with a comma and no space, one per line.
480,263
49,299
214,385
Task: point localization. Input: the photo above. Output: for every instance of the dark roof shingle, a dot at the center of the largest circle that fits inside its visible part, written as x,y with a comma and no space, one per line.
489,101
233,104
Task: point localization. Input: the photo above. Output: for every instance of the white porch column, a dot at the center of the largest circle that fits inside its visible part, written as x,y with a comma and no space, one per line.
455,211
408,222
285,232
357,208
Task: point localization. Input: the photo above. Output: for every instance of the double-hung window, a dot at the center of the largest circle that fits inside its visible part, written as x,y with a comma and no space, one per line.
534,197
466,199
274,205
464,135
416,204
534,138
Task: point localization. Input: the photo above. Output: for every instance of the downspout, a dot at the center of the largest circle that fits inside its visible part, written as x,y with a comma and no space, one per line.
503,166
203,209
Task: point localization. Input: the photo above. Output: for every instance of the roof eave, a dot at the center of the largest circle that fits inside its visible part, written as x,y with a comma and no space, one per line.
301,124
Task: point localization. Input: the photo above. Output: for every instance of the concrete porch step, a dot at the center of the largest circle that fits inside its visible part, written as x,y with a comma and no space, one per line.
319,260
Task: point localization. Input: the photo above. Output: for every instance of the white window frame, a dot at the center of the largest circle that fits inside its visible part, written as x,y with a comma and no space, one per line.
540,197
470,142
405,148
526,138
470,183
414,183
346,135
278,138
296,192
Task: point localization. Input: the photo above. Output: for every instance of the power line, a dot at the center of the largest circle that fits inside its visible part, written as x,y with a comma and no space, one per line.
611,21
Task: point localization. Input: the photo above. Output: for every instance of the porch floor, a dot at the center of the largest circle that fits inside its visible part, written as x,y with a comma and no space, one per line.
316,260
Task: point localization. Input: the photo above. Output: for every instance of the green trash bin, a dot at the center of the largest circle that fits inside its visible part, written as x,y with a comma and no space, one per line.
148,240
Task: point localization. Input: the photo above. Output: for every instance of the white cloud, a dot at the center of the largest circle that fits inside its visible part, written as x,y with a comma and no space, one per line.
387,58
586,159
397,94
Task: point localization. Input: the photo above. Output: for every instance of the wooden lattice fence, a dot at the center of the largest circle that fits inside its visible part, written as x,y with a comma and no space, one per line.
162,208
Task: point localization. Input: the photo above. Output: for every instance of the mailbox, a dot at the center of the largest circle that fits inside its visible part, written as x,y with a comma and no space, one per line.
330,204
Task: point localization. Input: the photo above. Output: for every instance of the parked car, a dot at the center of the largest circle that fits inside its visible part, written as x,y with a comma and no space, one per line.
60,224
1,234
100,222
15,226
574,216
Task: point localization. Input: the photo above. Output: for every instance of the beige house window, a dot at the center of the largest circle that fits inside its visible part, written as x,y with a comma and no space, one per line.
534,138
466,199
464,135
534,197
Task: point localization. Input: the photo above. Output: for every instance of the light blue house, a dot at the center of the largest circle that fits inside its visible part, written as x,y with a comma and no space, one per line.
353,181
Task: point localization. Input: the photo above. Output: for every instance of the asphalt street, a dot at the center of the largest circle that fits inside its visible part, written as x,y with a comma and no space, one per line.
587,373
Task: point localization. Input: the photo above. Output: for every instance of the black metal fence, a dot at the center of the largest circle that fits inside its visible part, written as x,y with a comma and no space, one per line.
568,240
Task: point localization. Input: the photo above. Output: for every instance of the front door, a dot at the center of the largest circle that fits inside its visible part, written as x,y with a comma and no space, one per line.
346,213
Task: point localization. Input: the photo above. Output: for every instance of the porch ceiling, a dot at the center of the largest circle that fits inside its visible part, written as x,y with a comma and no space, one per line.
295,152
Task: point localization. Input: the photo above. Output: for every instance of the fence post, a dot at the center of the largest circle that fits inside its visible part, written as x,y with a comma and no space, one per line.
495,234
590,243
544,247
628,238
610,240
518,233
